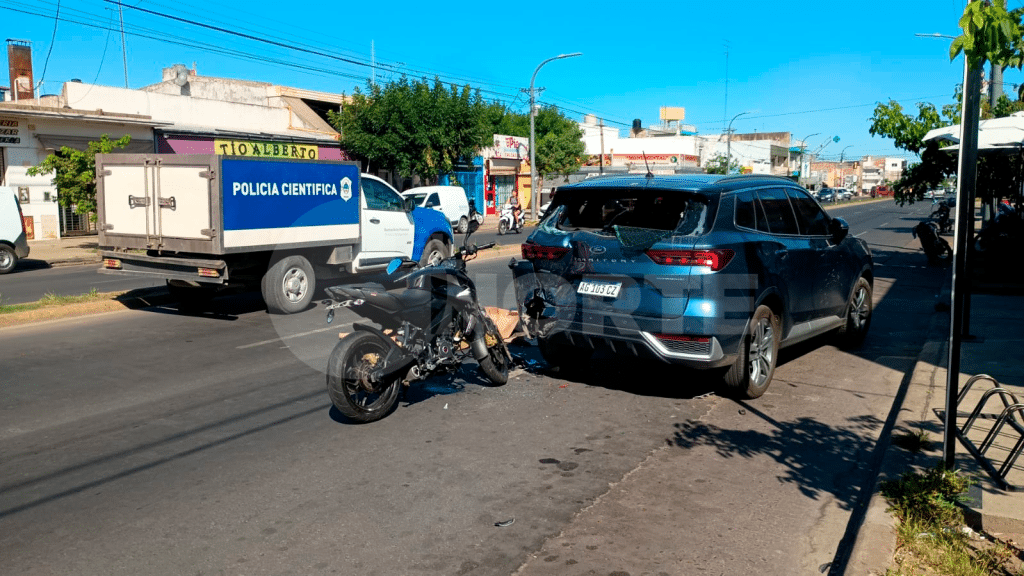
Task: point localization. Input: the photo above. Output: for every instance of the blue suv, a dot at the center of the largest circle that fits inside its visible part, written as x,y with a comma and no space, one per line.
704,271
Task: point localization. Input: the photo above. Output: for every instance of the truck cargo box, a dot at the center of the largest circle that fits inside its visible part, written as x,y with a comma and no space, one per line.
216,205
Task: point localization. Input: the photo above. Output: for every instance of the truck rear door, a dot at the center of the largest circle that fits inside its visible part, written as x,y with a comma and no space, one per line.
156,202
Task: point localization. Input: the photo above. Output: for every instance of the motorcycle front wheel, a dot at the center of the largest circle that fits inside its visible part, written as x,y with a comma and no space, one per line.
348,378
495,366
502,227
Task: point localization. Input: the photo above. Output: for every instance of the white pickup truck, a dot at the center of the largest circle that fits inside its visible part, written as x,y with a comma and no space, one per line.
204,222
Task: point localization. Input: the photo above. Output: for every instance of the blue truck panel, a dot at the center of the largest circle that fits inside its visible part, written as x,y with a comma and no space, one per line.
258,194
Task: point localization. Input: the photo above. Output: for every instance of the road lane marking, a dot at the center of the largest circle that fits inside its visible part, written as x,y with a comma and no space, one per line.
339,327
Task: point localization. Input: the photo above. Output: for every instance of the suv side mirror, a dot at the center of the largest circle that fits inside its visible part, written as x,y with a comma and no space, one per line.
410,204
838,229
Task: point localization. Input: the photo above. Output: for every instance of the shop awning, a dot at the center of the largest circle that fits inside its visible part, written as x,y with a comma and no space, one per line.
503,167
57,141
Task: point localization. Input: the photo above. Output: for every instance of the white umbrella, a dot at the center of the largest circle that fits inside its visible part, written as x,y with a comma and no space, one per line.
993,134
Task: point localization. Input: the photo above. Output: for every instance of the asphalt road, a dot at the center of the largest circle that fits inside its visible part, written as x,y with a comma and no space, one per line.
32,284
151,442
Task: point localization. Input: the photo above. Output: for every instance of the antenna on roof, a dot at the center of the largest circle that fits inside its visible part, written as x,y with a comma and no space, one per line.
649,173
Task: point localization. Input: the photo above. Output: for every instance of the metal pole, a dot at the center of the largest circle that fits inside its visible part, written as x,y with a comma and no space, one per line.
533,153
601,161
728,142
803,149
966,184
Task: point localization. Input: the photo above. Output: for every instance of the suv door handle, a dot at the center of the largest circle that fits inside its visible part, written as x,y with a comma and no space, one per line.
374,221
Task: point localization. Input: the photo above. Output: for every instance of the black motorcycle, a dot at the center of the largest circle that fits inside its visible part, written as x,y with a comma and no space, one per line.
1004,233
429,328
943,218
935,247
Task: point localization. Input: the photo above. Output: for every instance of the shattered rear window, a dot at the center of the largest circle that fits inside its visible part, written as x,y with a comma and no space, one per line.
673,211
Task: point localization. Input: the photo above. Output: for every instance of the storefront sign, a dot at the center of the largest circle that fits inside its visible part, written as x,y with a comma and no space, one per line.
670,159
265,149
9,131
511,147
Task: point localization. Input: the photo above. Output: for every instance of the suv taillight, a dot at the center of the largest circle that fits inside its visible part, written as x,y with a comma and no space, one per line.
537,252
716,258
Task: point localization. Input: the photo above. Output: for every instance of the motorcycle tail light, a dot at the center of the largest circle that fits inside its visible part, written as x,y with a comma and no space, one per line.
715,259
537,252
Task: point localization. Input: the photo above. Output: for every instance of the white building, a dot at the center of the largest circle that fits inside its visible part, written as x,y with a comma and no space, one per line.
183,114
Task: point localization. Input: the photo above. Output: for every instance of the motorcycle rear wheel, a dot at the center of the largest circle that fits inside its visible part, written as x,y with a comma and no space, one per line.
348,385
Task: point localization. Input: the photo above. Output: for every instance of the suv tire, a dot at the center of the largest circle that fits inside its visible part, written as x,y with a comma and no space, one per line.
858,316
750,376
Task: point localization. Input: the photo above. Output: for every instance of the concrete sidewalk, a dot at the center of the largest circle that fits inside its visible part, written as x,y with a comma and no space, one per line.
62,252
995,323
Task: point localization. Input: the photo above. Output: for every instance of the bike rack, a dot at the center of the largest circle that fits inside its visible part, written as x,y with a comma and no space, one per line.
1011,414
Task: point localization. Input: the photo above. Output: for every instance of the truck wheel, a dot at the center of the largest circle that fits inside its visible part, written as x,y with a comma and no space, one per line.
463,225
8,259
288,285
433,253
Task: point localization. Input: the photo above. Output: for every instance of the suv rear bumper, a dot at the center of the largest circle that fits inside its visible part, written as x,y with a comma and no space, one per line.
639,343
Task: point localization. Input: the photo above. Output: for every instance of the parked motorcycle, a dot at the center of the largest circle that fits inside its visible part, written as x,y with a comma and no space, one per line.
429,328
942,218
1005,231
935,247
505,221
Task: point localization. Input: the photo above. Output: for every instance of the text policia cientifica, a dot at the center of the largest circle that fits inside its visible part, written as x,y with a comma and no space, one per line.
284,189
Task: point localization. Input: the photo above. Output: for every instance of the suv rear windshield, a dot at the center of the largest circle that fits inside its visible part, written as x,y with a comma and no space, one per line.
679,212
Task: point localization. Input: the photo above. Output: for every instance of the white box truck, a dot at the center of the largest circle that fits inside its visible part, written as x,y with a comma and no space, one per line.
205,221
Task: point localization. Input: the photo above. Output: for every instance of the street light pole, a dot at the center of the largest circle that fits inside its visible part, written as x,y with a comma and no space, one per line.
728,142
803,148
533,153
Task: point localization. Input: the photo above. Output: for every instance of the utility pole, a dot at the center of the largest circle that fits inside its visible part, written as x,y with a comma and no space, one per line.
601,161
124,47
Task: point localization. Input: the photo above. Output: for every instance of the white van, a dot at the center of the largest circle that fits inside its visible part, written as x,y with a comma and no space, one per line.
12,231
449,200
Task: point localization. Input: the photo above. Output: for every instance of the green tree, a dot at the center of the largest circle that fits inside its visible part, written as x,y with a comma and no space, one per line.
990,33
716,165
74,173
415,128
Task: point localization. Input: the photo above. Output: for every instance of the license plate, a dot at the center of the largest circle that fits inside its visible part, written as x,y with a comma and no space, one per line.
605,289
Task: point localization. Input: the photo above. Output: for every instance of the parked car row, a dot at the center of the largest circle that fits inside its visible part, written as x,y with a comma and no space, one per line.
833,195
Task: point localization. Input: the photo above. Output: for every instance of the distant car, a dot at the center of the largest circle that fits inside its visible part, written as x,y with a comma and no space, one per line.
449,200
826,195
703,271
881,190
933,194
843,194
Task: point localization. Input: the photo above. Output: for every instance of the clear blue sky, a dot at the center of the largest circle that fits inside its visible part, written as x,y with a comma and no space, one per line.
800,67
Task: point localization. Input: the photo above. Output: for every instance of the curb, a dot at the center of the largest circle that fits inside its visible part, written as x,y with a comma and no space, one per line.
874,547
